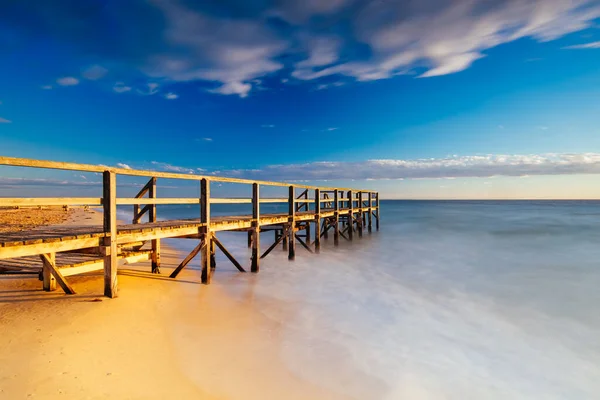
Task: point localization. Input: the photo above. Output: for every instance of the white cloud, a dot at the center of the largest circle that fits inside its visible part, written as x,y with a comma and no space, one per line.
234,49
239,88
67,81
449,167
172,168
94,72
46,87
230,51
171,96
448,37
332,129
592,45
267,126
120,87
151,88
4,121
125,166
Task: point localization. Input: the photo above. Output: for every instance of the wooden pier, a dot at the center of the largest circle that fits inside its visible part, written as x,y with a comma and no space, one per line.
58,252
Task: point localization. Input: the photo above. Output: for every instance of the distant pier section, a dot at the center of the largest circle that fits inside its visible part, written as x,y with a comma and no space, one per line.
312,214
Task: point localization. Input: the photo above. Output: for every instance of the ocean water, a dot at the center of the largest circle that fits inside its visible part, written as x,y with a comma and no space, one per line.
449,300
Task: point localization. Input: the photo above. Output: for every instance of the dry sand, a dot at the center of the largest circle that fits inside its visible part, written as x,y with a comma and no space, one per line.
12,220
160,339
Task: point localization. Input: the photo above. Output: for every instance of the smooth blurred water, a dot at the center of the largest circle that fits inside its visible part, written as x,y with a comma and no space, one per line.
456,300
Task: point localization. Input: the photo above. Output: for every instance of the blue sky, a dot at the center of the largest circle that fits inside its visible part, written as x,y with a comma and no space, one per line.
419,99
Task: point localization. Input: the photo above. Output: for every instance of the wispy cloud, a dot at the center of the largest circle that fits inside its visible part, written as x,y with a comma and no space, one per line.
151,88
121,165
67,81
449,167
172,168
46,87
592,45
324,86
171,96
120,87
332,129
94,72
234,52
267,126
5,121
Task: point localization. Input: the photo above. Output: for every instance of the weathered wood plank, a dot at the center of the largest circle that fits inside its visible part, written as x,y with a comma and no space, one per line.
48,279
291,224
228,254
205,219
110,230
255,266
155,244
49,263
188,258
216,200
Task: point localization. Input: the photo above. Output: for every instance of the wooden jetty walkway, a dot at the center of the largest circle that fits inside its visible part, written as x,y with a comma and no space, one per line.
62,251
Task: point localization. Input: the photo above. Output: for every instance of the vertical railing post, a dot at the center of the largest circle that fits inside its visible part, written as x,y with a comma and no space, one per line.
378,211
255,227
109,203
359,220
291,225
317,221
155,242
336,216
370,211
205,220
350,215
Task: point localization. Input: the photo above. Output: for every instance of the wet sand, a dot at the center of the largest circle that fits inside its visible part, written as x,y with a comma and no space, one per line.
161,338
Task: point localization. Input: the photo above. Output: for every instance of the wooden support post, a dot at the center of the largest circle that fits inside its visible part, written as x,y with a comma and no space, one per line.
303,244
49,263
205,219
49,282
249,239
277,240
350,215
227,254
359,220
109,203
378,212
317,221
370,214
284,242
336,216
155,242
291,225
213,258
187,259
255,228
325,228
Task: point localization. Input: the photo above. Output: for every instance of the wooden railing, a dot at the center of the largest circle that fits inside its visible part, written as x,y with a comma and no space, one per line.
311,199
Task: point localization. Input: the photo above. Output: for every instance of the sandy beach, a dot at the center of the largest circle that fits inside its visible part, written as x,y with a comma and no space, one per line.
159,339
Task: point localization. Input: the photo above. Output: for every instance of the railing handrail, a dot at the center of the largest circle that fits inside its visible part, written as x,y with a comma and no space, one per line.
45,164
